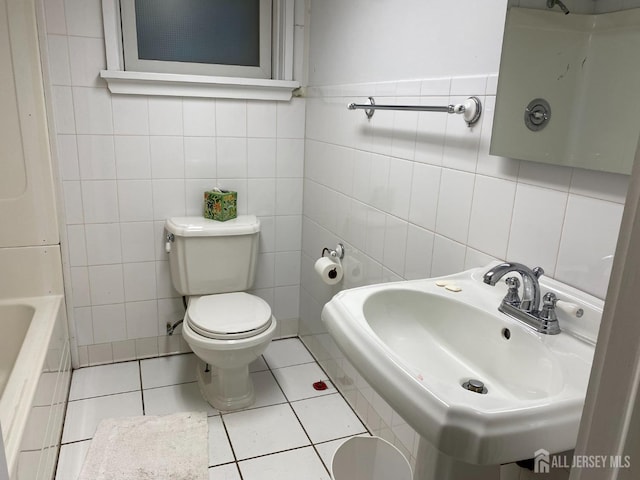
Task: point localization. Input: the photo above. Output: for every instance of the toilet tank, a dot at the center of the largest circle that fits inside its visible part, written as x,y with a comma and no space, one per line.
207,256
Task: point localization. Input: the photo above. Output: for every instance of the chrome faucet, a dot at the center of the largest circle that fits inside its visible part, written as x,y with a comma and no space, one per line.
526,310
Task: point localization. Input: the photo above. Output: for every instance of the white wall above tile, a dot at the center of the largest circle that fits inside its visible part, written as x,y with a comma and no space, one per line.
367,57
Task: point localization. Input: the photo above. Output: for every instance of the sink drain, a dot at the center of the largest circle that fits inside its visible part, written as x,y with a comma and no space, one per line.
475,386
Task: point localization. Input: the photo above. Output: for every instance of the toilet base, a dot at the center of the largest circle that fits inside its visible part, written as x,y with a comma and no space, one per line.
226,388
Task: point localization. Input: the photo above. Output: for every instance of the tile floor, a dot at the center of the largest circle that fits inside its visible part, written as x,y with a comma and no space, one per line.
291,432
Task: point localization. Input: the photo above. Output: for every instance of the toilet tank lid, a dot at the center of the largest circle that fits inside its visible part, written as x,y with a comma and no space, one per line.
203,227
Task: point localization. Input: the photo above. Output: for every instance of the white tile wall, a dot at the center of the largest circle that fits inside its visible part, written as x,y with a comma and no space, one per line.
421,196
491,214
532,204
92,110
133,157
96,157
106,283
165,116
128,162
454,204
86,58
59,55
55,18
63,113
130,115
84,17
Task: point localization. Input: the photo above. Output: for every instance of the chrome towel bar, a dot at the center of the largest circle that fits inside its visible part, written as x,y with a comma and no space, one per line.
471,109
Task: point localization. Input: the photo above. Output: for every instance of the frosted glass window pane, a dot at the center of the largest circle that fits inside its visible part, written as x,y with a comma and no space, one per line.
223,32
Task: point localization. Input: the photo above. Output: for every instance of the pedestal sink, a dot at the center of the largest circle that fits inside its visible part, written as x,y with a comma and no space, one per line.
418,343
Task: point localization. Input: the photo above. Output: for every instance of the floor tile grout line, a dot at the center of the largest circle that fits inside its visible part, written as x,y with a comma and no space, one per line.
300,422
77,441
307,434
170,385
288,366
235,464
304,398
144,413
275,379
313,444
292,365
223,464
226,431
337,389
271,453
300,447
239,471
139,365
233,451
313,360
278,383
131,360
345,438
343,398
328,392
104,395
249,409
288,402
222,414
340,438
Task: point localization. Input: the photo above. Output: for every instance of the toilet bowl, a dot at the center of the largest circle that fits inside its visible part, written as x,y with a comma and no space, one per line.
213,264
227,332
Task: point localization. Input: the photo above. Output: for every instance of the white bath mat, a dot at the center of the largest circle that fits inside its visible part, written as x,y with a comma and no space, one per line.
173,447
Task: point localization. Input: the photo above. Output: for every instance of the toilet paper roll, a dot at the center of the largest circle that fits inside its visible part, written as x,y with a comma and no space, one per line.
329,270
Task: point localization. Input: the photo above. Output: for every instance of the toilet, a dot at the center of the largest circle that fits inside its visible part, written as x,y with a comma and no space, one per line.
213,264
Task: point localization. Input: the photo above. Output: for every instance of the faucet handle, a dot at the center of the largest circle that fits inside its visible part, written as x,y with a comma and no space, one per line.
548,311
548,318
538,272
512,296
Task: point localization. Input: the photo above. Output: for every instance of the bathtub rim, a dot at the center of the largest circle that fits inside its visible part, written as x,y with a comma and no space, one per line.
20,390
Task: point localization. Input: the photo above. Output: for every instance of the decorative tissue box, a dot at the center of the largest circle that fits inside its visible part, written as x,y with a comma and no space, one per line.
221,205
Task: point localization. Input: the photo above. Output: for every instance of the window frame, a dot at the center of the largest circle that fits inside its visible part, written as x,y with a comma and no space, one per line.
280,87
132,61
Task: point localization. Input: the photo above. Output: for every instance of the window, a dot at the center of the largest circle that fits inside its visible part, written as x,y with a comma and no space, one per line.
202,37
227,59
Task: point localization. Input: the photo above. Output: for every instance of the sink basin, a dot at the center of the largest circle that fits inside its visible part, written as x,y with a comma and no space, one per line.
454,342
417,343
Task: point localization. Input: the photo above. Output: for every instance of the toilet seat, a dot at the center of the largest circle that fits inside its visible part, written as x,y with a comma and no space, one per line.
228,316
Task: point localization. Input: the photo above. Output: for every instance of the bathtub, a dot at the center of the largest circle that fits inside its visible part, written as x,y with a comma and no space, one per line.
35,372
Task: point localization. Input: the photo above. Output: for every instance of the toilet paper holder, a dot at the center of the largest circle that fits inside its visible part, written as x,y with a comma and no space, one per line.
338,253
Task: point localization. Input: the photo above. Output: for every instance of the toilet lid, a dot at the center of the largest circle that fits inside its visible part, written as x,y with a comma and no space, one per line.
229,315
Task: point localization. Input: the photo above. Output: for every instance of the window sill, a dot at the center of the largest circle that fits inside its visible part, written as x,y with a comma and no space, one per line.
169,84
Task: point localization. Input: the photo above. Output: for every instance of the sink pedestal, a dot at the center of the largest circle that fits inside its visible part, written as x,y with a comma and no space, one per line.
433,465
